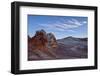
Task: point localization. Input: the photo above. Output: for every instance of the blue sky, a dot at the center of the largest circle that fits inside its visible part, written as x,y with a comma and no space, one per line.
60,26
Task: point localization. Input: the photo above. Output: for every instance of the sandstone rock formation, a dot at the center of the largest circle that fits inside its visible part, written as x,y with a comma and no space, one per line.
44,46
52,40
39,41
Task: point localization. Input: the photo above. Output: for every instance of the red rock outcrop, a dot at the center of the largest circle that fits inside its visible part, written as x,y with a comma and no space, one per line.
42,45
39,41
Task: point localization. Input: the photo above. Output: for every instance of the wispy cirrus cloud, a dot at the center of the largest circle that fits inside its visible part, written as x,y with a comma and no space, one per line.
63,24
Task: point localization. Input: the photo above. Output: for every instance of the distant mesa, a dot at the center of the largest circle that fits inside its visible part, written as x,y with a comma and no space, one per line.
74,38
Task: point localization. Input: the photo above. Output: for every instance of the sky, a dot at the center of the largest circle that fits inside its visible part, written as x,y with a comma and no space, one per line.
60,26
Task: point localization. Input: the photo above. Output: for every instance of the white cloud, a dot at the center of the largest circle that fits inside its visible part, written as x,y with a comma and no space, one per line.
71,31
63,24
84,22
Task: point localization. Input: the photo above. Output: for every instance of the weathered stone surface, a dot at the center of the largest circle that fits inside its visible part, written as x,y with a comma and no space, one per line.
52,40
44,46
39,41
